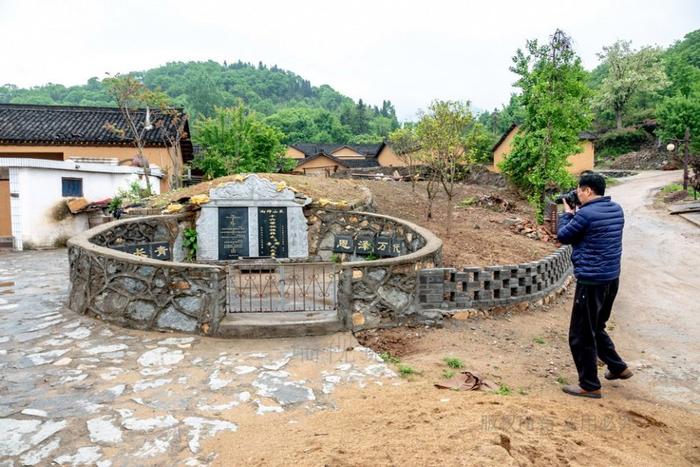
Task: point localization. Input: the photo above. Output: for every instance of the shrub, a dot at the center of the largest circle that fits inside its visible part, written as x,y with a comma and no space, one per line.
616,142
453,362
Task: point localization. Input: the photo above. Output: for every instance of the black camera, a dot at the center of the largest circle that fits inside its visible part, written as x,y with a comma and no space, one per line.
571,199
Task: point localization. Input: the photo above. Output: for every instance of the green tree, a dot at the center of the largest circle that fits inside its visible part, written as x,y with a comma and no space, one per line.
679,121
446,135
404,142
555,101
236,140
131,96
630,73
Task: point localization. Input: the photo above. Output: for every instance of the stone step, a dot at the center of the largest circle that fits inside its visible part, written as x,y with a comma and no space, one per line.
280,324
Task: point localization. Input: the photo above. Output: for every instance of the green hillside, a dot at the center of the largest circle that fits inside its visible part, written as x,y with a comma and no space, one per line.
289,102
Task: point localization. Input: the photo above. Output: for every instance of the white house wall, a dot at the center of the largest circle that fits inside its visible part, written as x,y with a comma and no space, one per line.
40,191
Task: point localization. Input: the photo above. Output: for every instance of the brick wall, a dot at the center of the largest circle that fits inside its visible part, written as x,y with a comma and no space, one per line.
486,287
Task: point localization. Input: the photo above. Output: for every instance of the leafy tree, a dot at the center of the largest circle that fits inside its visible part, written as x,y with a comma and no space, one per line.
679,119
446,135
236,140
629,74
555,101
131,95
404,142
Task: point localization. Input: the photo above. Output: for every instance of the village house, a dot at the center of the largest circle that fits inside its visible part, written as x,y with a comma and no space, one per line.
326,159
49,154
578,163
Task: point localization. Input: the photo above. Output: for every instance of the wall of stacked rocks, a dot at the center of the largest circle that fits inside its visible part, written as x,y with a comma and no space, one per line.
120,287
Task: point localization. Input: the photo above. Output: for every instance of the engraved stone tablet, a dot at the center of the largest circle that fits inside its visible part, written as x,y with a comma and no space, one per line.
233,232
272,232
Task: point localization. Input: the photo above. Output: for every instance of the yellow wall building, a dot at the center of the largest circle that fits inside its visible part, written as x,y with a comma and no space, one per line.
578,163
38,143
326,159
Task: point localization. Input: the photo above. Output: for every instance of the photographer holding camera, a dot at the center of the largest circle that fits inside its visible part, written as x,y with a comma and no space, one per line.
593,224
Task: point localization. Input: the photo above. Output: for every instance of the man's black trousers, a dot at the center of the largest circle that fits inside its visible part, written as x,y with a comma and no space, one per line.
587,337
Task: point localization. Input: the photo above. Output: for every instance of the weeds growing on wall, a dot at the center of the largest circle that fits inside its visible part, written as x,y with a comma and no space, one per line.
190,243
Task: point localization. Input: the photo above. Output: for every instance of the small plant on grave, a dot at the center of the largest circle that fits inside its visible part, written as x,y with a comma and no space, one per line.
453,362
538,340
336,259
388,358
561,380
405,370
115,204
503,390
447,374
189,243
371,257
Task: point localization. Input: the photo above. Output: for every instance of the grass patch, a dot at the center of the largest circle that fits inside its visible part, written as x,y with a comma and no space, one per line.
563,381
405,370
468,201
672,188
388,358
538,340
453,362
609,181
503,390
447,374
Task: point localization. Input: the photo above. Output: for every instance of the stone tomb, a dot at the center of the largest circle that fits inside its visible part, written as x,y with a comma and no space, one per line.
253,217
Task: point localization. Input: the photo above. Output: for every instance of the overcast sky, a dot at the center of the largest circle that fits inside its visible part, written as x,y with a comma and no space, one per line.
409,52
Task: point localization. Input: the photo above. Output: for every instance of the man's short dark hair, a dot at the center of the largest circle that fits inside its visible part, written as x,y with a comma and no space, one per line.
594,181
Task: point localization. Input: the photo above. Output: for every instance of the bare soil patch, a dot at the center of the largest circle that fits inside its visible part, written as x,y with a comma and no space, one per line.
481,233
414,423
336,190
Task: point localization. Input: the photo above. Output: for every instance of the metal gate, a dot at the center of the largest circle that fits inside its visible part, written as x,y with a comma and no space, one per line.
278,287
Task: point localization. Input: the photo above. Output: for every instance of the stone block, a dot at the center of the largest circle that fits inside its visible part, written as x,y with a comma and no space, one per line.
358,319
174,320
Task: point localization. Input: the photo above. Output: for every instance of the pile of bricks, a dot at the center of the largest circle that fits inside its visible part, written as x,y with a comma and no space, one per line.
476,287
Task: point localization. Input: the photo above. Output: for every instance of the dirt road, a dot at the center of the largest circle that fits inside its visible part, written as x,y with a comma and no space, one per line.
658,308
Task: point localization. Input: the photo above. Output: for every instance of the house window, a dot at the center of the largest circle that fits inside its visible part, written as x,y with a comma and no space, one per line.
72,187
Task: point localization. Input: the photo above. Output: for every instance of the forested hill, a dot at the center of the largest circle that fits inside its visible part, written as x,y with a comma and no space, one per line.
289,102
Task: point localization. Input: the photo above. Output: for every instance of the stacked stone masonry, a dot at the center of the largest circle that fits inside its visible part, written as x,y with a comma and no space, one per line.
143,293
493,286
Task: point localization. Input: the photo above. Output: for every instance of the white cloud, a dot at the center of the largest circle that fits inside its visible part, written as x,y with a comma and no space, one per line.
409,52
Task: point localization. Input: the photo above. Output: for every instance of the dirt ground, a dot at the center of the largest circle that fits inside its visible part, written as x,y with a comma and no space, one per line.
414,423
651,419
480,235
315,187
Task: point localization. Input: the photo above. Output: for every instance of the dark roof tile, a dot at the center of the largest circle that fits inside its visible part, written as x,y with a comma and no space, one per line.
51,124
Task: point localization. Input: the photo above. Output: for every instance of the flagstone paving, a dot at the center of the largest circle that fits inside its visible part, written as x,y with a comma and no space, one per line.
76,391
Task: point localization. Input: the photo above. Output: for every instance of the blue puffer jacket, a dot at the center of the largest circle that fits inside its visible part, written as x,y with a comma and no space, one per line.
595,232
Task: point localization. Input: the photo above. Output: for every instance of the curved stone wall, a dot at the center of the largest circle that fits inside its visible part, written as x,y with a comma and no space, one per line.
143,293
381,292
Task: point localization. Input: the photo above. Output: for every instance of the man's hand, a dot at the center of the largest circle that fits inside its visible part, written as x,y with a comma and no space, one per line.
568,208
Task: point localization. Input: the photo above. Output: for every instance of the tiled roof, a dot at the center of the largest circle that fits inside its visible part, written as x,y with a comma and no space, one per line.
584,135
311,149
51,124
360,163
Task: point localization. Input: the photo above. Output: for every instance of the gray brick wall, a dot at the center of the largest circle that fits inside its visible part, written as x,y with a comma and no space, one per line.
486,287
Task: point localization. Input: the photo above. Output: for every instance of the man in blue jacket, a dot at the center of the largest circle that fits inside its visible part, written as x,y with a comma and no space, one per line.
595,232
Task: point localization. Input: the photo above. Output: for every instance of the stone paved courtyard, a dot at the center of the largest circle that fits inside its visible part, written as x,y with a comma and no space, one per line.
76,391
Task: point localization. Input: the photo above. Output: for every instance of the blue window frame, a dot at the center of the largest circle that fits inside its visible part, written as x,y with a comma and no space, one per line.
72,187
